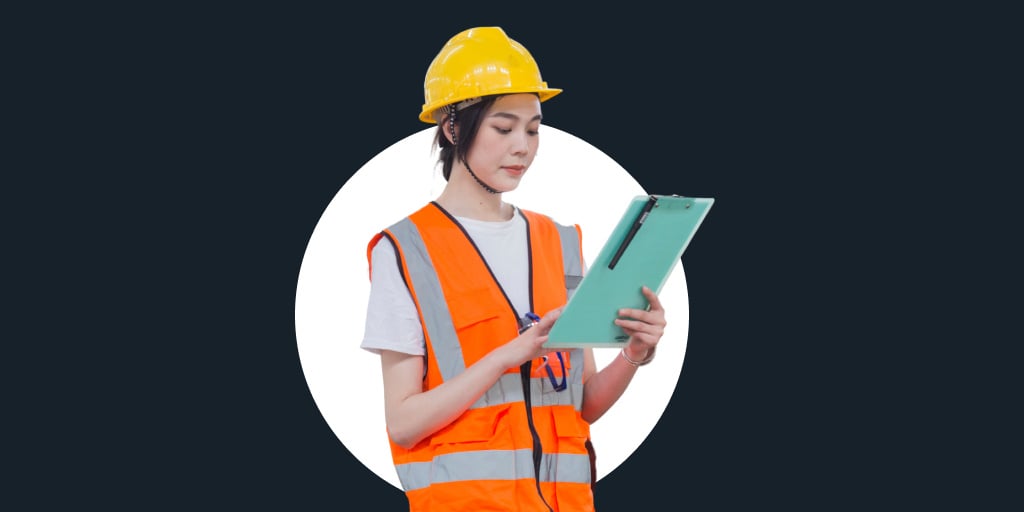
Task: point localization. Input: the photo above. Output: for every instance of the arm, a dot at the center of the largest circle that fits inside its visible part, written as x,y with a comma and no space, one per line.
412,414
602,389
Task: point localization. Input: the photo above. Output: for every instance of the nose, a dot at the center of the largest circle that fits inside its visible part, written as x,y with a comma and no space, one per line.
520,144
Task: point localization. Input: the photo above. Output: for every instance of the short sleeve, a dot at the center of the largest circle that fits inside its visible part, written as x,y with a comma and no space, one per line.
392,322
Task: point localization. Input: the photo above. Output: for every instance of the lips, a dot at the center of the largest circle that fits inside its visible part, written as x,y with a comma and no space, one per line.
515,170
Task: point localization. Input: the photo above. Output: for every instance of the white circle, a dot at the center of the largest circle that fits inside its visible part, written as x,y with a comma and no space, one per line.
570,180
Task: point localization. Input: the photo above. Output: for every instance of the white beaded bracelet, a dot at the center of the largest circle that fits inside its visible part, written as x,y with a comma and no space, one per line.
637,364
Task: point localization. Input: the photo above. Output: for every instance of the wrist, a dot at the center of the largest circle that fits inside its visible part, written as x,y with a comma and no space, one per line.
637,362
500,359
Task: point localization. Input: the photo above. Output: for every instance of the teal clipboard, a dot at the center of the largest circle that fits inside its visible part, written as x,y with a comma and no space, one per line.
647,259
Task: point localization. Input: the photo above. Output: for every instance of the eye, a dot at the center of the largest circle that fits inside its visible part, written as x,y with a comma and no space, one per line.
503,131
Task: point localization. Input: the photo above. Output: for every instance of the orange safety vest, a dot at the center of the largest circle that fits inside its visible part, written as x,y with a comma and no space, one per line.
511,450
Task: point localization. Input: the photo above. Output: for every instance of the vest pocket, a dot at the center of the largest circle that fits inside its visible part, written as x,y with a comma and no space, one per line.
474,426
473,307
474,461
568,423
482,320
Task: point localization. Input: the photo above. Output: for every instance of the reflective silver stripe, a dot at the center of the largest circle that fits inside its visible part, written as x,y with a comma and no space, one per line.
483,465
414,475
509,388
565,467
430,296
571,259
572,264
494,465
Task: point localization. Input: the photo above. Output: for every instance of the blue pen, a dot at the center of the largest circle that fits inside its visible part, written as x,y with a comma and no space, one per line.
534,320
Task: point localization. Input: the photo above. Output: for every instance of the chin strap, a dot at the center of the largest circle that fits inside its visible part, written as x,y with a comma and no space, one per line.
478,180
451,128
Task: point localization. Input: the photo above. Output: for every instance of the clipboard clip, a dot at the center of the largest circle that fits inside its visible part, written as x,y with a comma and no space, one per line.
651,202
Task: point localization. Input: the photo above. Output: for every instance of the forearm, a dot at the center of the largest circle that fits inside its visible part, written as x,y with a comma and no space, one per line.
413,418
604,388
412,414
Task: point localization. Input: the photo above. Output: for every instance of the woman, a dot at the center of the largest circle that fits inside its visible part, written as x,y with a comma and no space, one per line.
464,291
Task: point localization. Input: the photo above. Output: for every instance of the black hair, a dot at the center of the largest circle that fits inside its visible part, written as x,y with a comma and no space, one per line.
468,121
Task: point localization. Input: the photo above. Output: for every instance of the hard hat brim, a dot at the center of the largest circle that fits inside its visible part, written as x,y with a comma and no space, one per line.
428,112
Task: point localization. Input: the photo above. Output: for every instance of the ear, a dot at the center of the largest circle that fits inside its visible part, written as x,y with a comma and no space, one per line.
443,126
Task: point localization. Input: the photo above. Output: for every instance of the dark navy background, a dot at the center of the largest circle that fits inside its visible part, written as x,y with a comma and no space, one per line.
191,153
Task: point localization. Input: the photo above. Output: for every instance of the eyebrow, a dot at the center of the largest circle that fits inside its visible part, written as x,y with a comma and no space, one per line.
514,117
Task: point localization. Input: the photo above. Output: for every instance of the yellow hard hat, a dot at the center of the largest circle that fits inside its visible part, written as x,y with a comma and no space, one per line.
480,62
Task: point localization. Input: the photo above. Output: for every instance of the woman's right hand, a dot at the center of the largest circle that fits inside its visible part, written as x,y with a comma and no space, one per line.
529,344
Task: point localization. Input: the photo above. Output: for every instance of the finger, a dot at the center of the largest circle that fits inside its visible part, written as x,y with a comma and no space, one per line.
637,314
549,319
648,341
638,326
652,298
650,317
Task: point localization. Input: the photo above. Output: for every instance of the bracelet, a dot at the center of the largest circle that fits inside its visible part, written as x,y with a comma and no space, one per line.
637,364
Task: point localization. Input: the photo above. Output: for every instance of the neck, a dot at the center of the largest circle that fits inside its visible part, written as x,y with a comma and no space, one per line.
464,197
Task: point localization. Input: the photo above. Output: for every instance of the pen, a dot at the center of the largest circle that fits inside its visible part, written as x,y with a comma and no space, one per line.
632,230
531,320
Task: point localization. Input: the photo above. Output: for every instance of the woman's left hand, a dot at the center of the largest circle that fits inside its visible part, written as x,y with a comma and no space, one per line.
644,327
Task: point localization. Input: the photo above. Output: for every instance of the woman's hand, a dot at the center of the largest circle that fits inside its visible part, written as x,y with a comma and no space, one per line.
529,344
644,328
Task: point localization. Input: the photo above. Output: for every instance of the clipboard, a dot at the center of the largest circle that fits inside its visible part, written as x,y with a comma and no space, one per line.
643,249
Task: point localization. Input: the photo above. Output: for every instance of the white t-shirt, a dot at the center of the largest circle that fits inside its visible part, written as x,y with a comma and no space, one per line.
391,319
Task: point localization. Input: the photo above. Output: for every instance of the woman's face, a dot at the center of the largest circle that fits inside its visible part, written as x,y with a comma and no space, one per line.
507,141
